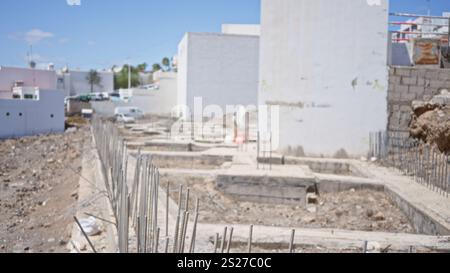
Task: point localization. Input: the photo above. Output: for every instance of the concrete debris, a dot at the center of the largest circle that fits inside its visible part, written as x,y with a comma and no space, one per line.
90,226
373,247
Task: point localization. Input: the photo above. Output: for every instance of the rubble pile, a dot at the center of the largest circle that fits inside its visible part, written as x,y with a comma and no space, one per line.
431,121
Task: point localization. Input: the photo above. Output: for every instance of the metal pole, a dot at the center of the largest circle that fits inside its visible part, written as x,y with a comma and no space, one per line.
365,246
291,244
180,237
270,152
230,241
166,248
186,204
194,229
216,242
257,151
129,76
250,239
157,240
448,33
222,246
185,231
167,208
177,225
84,234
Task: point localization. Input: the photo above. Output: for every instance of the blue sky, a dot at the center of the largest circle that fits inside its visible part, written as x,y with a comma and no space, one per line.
101,33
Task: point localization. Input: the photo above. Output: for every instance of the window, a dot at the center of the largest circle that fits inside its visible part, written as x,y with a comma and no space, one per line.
20,114
8,114
52,116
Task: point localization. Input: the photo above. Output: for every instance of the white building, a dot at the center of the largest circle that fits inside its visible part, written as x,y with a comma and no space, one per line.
24,117
241,29
325,64
222,69
424,28
11,77
401,51
75,82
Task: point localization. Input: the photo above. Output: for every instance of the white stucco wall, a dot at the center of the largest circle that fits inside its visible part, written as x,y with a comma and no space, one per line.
158,102
182,75
324,62
44,79
220,68
31,117
241,29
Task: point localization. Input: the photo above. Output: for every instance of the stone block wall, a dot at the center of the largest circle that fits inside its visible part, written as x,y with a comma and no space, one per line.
407,84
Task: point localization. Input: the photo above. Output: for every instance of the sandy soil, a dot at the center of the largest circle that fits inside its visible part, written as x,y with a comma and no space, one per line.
352,210
38,191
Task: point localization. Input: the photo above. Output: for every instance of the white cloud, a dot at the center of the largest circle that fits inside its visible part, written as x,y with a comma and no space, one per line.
73,2
63,41
34,36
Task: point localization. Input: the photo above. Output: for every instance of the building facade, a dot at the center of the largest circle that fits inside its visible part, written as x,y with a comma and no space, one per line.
25,117
324,64
221,69
11,77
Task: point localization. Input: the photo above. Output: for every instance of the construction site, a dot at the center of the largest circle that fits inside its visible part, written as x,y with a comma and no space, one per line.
344,157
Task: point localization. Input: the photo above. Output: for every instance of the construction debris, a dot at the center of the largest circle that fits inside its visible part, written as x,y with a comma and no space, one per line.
431,121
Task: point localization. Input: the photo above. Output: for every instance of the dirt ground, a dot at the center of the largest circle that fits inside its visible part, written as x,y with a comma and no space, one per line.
351,210
38,191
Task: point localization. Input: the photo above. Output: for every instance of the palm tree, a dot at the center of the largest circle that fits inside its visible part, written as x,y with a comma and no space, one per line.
166,63
142,67
156,67
93,78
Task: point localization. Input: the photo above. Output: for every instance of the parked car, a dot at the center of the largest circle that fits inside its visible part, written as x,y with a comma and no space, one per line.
114,96
125,118
84,98
129,111
96,96
150,87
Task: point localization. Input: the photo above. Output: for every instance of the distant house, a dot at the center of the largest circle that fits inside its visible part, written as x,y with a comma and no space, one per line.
11,77
75,82
34,111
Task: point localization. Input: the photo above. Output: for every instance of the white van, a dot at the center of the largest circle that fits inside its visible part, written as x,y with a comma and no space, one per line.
134,112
